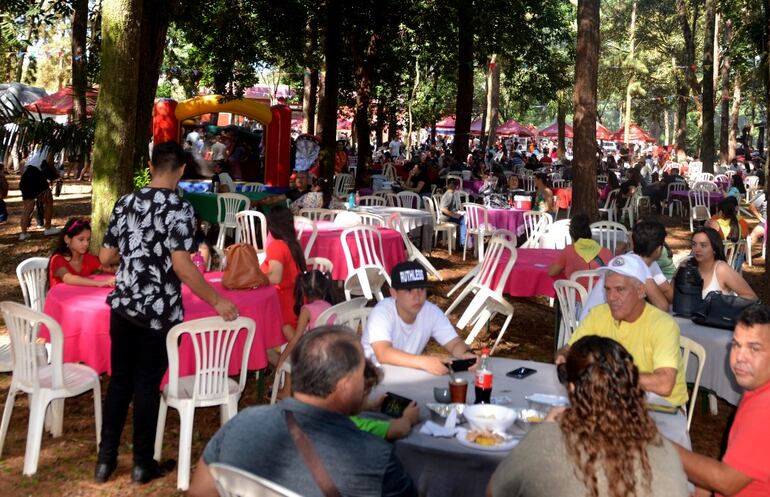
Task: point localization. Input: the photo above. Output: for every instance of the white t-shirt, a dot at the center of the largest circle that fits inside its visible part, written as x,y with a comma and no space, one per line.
385,325
226,180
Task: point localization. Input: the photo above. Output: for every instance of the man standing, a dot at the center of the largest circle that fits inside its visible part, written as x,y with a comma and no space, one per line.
449,207
399,327
35,189
744,470
650,335
328,386
395,148
150,234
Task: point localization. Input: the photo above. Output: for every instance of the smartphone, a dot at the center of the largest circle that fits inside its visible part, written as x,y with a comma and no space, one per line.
462,364
521,372
394,405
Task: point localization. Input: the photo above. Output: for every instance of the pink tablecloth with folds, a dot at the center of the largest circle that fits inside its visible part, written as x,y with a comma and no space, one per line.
328,244
84,317
682,196
529,276
473,186
509,219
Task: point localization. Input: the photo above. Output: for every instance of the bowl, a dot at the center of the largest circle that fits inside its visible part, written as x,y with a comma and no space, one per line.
489,417
545,402
525,417
442,395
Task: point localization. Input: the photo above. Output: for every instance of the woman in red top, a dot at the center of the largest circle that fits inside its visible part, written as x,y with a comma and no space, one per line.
284,262
71,262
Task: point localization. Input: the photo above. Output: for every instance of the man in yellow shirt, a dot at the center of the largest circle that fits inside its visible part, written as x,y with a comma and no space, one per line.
650,335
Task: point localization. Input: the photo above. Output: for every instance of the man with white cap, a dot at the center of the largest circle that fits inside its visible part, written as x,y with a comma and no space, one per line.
650,335
399,327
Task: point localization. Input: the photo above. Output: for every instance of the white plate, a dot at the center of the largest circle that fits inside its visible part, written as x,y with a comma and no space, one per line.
549,400
503,447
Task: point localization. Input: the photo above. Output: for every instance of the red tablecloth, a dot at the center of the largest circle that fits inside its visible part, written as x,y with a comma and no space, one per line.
328,245
84,317
509,219
565,197
529,276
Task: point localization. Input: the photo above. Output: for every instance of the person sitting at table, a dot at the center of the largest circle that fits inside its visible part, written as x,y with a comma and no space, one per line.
328,387
612,184
399,327
300,188
584,252
418,181
727,222
514,187
744,470
284,261
71,262
543,196
709,254
605,443
649,334
449,207
223,178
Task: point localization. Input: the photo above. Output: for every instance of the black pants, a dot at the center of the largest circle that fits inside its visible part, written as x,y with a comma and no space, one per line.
139,361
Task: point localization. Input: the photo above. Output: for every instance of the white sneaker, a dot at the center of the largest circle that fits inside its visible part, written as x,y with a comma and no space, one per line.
23,236
52,231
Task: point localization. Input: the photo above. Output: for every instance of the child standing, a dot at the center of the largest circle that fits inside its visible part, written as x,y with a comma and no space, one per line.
71,262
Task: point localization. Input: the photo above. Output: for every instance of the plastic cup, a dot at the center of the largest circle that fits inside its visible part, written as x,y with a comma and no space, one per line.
458,390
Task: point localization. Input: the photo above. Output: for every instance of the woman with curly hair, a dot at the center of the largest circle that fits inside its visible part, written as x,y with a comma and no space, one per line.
604,444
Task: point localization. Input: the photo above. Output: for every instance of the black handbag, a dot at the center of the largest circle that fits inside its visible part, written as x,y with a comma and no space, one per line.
721,311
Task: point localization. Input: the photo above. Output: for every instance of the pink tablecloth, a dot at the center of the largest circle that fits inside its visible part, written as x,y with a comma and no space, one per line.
328,245
473,186
509,219
529,276
682,196
84,317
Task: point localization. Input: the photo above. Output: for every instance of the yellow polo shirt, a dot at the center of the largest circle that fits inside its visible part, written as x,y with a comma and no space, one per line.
652,340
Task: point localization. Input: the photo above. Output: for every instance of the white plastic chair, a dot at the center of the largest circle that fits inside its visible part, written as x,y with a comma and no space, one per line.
705,177
412,252
629,210
33,279
234,482
343,184
391,199
44,384
212,340
318,214
671,202
610,205
354,319
690,346
439,226
528,183
320,263
733,250
700,206
476,225
555,235
587,278
372,201
368,274
409,200
252,187
535,223
369,219
488,300
329,316
301,225
251,228
459,179
609,235
228,205
567,292
461,197
706,186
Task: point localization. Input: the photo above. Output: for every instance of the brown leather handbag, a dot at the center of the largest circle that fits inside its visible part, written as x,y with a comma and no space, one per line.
242,271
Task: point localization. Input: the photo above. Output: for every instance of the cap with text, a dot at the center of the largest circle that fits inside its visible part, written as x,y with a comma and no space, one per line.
408,275
628,265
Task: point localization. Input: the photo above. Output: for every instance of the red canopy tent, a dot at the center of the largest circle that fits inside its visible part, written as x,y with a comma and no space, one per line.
476,127
602,133
512,127
635,132
60,103
446,126
552,131
344,124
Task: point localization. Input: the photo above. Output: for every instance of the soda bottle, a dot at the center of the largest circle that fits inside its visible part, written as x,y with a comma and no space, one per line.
199,262
351,200
483,379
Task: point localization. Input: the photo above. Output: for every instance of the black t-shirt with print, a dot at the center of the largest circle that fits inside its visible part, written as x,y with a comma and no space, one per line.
146,226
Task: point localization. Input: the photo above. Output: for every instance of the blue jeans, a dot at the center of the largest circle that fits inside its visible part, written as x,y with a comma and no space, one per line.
461,222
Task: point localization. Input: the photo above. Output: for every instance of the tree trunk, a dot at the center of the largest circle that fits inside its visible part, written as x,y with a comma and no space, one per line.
380,123
328,109
365,59
393,124
79,72
493,101
561,117
632,47
707,147
310,83
724,114
584,194
734,116
689,82
408,141
134,35
464,103
667,127
766,5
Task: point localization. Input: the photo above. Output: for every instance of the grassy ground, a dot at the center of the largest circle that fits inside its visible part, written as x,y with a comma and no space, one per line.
66,463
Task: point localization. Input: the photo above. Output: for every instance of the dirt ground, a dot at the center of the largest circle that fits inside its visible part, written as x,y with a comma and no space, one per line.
66,463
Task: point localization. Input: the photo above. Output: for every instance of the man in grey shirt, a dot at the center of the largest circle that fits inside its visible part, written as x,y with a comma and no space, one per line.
328,386
449,207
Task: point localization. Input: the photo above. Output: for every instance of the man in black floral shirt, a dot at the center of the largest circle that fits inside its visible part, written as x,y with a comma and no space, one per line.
150,235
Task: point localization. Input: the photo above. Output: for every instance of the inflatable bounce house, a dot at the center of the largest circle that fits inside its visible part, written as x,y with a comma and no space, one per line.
168,115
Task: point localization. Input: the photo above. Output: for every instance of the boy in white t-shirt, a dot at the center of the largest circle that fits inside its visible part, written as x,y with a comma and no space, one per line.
399,327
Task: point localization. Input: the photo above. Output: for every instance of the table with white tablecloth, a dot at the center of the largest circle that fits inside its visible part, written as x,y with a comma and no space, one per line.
717,375
418,223
443,467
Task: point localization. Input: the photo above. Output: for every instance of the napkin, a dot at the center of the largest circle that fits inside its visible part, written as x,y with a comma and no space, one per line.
436,430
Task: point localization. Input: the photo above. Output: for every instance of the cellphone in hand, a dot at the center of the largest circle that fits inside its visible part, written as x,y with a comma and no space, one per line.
521,372
462,364
394,405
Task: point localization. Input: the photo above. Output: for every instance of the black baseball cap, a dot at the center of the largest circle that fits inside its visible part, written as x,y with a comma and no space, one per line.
408,275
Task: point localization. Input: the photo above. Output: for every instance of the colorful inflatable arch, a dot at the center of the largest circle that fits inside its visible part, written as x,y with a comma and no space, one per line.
276,120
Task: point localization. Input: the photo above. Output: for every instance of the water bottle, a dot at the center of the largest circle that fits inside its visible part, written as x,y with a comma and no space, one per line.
351,200
199,262
483,379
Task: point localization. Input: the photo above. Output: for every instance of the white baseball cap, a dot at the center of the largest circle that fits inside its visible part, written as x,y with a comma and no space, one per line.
628,265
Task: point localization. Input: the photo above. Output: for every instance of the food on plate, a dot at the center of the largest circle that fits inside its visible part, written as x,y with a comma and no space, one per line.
534,419
484,437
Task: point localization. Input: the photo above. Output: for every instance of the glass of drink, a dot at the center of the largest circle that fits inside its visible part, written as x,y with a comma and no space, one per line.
458,390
